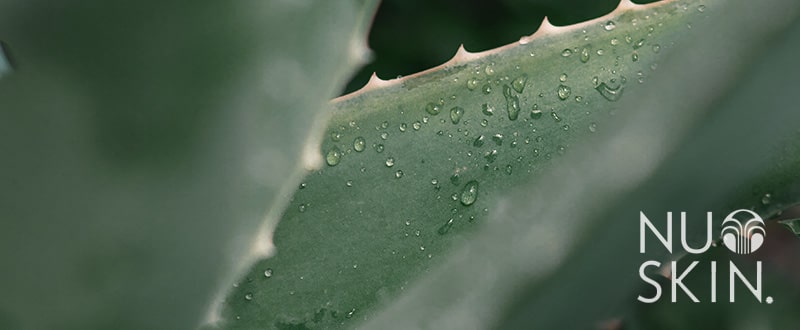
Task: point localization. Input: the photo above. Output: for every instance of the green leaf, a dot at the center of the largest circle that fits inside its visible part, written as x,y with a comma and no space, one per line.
149,148
564,124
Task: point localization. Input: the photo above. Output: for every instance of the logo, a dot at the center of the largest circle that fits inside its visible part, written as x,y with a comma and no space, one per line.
743,239
743,232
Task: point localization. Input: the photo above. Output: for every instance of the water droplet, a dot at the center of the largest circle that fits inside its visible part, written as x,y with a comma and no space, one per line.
701,8
489,69
301,208
519,83
456,113
555,117
350,313
486,89
565,127
563,92
498,139
359,144
566,52
389,162
509,169
608,26
349,183
385,125
578,98
487,109
248,296
614,41
416,125
433,109
398,174
434,182
562,150
593,127
536,114
303,185
562,77
333,157
656,48
638,44
512,107
490,156
611,94
585,55
384,135
336,136
268,273
484,122
379,148
445,227
635,57
766,199
455,179
472,84
403,127
600,52
478,141
470,193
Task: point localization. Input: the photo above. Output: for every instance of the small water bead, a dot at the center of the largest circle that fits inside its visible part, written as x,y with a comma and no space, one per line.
562,150
403,127
638,44
566,52
628,38
487,109
425,119
600,52
610,25
766,199
484,122
456,113
513,108
384,135
478,141
303,185
359,144
301,208
593,127
509,169
536,114
268,273
445,227
333,156
470,193
490,156
489,69
635,57
555,117
455,179
563,91
349,314
416,125
614,41
498,139
433,109
519,83
378,148
398,174
565,127
472,83
610,94
434,182
336,136
578,98
585,55
656,48
454,196
389,162
562,77
487,89
385,125
248,296
349,183
701,8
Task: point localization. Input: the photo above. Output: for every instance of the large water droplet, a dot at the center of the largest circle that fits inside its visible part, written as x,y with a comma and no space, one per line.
563,91
611,94
333,156
470,193
455,179
432,109
536,114
456,113
359,144
519,83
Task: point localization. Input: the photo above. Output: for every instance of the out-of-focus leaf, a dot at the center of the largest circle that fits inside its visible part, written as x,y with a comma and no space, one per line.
143,143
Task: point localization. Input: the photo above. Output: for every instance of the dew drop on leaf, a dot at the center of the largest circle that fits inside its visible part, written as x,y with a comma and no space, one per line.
472,84
766,199
593,127
610,25
333,156
248,296
536,114
389,162
445,227
611,94
487,89
584,55
456,113
563,92
359,144
498,139
478,141
432,109
379,148
487,109
268,273
519,83
398,174
470,193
